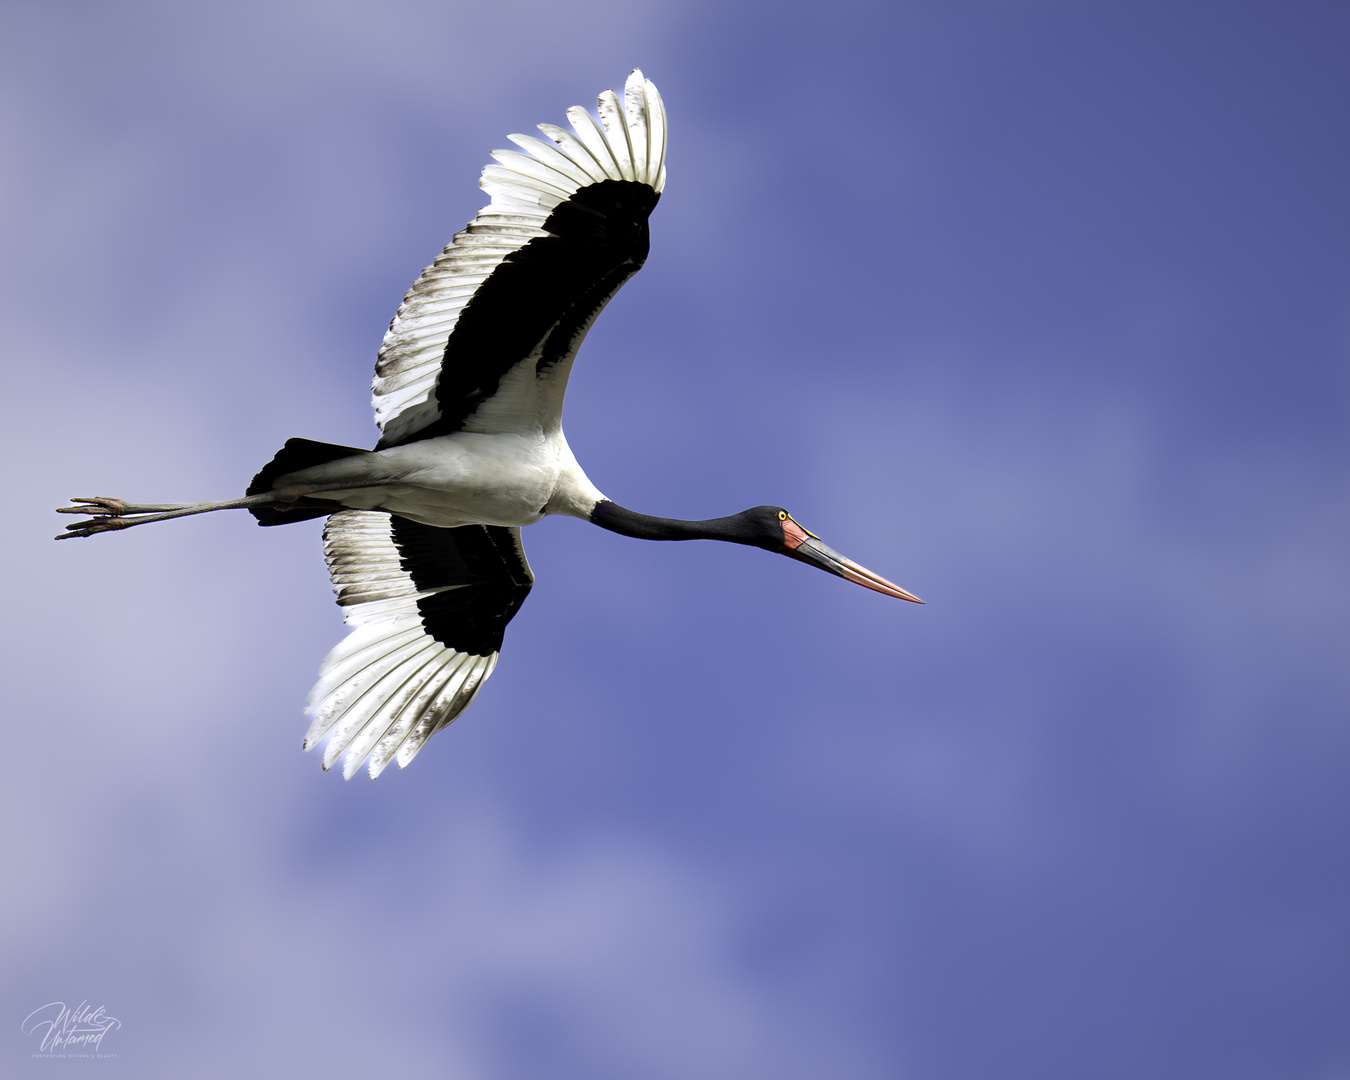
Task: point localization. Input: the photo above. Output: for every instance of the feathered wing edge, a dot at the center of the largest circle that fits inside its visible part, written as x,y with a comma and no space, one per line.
388,686
629,143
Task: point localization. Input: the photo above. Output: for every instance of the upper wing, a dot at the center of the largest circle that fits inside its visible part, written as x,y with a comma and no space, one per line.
567,226
427,608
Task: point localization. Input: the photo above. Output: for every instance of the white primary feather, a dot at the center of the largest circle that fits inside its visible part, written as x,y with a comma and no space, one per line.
388,686
616,134
628,143
592,137
635,112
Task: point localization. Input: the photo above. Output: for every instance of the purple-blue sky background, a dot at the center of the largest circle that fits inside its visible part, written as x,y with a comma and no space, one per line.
1041,310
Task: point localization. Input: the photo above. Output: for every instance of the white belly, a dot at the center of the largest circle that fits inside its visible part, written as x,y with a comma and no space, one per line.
462,479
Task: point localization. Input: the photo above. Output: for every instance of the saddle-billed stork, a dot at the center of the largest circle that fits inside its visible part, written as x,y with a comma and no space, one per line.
423,532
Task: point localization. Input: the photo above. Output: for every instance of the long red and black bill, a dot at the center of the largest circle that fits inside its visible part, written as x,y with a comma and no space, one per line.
811,549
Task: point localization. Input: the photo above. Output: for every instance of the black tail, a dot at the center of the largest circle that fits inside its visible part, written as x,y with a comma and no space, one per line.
297,454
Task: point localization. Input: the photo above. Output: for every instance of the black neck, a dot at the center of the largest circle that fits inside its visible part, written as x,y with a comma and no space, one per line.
610,515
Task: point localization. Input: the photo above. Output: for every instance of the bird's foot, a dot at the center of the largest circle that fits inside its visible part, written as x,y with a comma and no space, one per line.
107,514
94,526
98,505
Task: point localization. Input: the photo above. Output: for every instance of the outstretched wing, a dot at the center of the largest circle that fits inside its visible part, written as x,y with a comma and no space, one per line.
427,608
521,285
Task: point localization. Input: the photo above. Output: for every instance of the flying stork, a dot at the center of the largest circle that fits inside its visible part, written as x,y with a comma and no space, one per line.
422,536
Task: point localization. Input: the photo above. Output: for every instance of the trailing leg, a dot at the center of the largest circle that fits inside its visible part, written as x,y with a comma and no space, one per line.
108,514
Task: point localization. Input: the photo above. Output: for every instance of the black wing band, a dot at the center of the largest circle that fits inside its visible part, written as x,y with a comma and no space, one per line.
543,297
483,571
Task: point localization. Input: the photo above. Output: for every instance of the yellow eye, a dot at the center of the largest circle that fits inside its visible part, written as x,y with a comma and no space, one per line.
782,515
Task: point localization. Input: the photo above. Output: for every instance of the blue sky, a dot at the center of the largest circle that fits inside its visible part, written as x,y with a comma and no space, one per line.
1041,310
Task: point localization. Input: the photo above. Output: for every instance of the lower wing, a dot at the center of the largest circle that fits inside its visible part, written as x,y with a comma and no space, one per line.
427,608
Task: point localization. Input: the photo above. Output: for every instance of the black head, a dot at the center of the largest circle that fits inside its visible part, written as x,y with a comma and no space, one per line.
763,526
